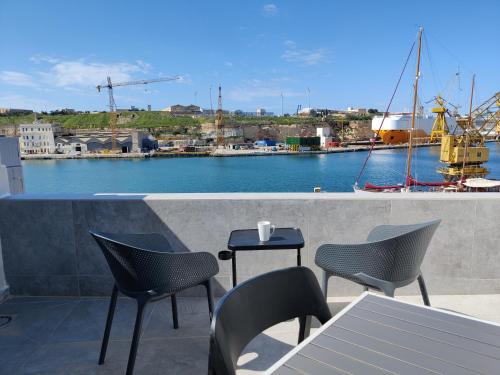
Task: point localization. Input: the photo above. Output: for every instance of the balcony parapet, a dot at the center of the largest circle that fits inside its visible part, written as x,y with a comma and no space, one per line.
47,249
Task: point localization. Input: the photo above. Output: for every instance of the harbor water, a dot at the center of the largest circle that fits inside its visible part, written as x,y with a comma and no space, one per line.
287,173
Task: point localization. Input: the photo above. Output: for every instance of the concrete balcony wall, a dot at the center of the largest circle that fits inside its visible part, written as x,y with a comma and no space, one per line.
47,249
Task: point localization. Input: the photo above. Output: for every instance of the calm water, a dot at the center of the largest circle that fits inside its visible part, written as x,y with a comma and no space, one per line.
301,173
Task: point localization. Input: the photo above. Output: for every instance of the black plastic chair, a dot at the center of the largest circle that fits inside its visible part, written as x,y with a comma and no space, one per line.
257,304
145,268
390,259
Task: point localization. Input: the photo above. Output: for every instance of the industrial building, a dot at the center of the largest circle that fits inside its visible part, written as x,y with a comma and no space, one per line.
94,142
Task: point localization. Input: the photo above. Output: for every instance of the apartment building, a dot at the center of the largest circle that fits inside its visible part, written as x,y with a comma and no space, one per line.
38,137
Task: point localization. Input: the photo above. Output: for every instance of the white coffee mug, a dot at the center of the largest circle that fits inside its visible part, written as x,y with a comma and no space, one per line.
266,230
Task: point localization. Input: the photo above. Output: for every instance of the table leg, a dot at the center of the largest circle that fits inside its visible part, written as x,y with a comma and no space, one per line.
233,262
299,263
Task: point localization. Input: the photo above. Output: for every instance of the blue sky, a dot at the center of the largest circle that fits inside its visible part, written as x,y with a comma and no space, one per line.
347,53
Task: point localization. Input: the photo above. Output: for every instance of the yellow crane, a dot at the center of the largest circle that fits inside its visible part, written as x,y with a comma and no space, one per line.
465,153
440,126
488,113
219,129
112,105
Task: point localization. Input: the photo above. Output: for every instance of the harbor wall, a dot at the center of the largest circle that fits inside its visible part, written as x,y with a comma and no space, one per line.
47,249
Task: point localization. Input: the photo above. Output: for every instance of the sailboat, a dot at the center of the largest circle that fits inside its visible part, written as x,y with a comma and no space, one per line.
409,182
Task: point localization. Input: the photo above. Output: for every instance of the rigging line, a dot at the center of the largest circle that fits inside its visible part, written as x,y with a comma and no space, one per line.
446,91
446,49
435,75
385,113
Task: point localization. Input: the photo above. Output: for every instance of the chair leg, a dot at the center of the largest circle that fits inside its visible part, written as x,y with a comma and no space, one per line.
136,337
326,276
109,322
173,299
304,327
423,290
210,297
389,292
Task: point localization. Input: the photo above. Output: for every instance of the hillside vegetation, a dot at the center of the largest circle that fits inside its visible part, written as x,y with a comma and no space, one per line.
161,120
101,120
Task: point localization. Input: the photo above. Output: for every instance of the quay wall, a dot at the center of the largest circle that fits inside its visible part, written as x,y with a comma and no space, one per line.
47,249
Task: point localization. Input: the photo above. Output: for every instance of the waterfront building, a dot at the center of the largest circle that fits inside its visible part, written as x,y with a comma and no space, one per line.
135,141
75,145
38,137
324,135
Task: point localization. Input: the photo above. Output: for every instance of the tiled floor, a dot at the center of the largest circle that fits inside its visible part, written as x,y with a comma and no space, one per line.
56,335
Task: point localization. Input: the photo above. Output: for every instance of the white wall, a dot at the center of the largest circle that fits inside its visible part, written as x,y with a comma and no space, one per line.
11,182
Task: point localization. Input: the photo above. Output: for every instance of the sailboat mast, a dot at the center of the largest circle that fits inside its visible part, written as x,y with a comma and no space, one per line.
466,132
415,95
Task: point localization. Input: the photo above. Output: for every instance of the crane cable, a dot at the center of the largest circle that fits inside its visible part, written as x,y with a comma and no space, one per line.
385,114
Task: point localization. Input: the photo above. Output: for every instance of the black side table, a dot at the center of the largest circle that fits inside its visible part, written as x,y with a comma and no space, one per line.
248,240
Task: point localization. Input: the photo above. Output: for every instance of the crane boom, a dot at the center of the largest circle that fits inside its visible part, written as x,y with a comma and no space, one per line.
112,105
139,82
